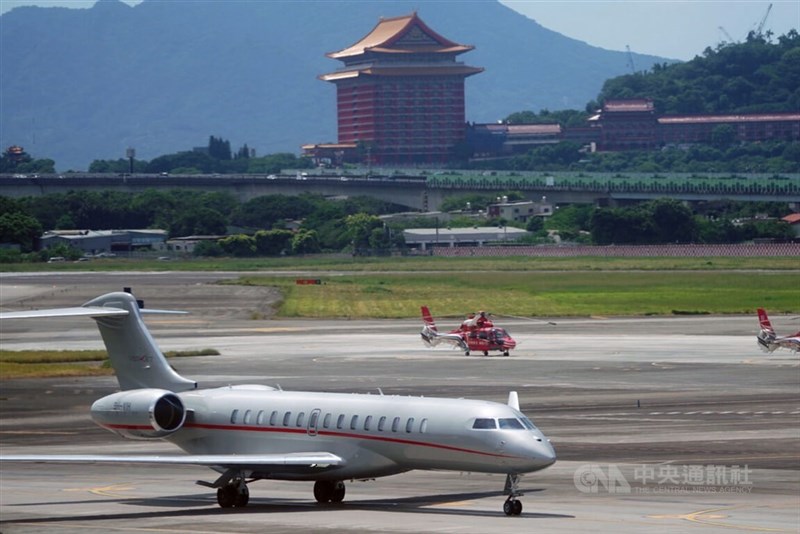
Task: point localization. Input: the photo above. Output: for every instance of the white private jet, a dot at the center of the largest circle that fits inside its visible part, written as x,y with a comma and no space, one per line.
253,432
768,341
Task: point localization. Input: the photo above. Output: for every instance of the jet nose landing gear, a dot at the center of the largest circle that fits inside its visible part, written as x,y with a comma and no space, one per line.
512,506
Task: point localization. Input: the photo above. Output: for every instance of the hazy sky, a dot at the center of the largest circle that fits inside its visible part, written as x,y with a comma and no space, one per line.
678,29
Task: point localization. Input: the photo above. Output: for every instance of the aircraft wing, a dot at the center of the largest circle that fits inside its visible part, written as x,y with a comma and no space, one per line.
242,461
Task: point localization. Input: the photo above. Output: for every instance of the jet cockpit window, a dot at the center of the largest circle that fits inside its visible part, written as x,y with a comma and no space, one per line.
484,424
525,421
510,423
528,424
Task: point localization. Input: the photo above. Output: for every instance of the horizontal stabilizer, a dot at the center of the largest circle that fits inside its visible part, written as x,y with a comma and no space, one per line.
79,311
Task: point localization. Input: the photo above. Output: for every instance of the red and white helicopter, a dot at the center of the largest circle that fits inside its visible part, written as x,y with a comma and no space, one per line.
768,341
476,333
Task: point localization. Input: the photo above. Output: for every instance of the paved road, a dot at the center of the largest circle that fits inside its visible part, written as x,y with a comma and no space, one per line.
660,424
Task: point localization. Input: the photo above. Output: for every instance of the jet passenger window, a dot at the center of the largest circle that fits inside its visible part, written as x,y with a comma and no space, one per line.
326,421
286,418
410,424
247,415
367,422
395,424
300,418
312,419
484,424
511,423
354,422
381,423
234,416
340,422
260,417
423,426
273,419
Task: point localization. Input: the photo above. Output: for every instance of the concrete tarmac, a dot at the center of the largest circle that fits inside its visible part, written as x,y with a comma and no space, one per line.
660,424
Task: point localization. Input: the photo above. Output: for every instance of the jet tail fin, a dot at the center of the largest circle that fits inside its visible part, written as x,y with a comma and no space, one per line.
134,354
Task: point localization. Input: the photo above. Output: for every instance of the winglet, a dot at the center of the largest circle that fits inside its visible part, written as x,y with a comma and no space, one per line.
513,400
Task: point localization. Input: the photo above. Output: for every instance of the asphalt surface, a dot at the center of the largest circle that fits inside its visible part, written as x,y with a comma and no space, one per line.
660,424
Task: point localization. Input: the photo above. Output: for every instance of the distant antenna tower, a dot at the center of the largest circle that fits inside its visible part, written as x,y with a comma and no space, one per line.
630,60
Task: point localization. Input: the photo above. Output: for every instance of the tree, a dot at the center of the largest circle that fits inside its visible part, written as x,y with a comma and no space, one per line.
359,228
219,148
199,221
20,229
673,221
273,242
238,245
305,242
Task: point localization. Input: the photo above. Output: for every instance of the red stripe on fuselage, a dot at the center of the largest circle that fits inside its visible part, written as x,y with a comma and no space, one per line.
228,428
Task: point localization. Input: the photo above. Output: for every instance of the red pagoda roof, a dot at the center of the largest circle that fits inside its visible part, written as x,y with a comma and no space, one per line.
401,35
438,70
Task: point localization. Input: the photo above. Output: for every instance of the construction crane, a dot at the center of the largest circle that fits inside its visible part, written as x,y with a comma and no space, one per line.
630,60
763,21
731,40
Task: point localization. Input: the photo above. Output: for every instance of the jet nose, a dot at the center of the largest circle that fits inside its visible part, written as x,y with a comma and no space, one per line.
536,453
547,453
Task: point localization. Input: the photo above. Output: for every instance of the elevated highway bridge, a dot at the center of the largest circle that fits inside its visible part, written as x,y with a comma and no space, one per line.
428,191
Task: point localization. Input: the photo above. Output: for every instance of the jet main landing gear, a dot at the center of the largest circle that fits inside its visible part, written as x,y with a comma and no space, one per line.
326,491
233,494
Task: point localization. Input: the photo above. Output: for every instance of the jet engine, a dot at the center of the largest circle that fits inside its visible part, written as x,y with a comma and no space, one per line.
140,413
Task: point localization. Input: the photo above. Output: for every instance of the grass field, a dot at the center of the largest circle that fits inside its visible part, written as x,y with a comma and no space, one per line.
537,294
54,363
418,264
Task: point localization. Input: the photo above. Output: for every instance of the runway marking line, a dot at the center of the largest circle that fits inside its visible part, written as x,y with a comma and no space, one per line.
107,528
106,491
38,432
710,517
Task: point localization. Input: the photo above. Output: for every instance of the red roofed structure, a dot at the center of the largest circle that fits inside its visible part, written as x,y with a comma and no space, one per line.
400,93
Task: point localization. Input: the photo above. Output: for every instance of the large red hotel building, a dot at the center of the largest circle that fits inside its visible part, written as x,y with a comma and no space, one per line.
400,100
